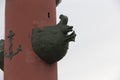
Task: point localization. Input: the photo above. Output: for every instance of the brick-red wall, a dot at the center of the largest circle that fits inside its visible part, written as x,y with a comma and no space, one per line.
20,17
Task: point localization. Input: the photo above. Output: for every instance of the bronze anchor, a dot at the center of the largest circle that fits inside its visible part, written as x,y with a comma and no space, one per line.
11,54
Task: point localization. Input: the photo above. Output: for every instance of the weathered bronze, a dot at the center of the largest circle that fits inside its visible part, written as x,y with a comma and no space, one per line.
11,54
51,42
58,2
2,54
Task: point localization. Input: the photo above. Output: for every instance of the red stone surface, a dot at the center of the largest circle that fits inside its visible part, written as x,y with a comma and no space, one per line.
20,17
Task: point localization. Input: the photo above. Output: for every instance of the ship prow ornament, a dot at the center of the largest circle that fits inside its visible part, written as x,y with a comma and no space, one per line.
51,43
19,48
34,49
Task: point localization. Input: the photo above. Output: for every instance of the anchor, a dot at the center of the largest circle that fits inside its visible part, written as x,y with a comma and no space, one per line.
11,54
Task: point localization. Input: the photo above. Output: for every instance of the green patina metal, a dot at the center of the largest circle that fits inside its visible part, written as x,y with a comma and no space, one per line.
2,54
11,53
57,2
51,43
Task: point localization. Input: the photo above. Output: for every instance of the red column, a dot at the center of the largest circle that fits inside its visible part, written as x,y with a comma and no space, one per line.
20,17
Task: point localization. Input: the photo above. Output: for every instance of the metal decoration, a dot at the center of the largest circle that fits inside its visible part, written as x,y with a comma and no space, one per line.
51,43
58,2
11,53
2,54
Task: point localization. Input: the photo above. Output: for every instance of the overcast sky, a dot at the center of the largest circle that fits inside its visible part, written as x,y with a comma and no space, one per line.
96,53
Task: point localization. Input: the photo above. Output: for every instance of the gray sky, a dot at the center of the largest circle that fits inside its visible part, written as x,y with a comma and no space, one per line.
96,53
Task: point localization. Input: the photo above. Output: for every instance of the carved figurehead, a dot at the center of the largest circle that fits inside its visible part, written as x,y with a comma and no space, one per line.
51,43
